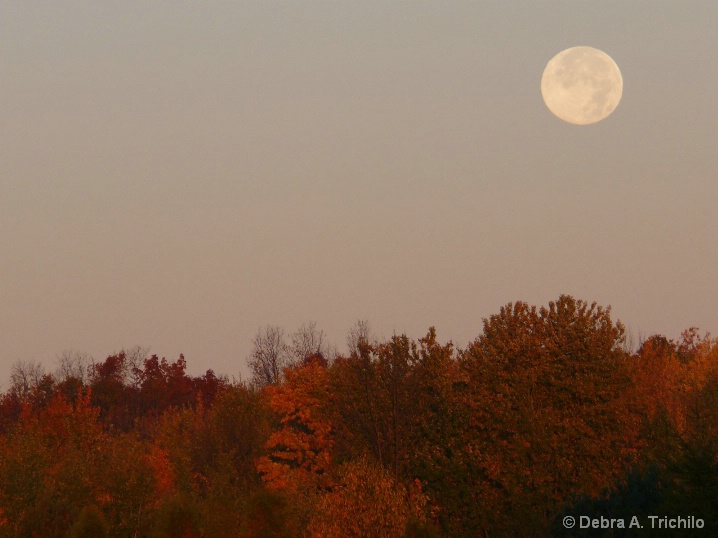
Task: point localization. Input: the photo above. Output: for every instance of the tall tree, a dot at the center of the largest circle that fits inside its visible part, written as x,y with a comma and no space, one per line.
111,394
72,365
390,396
26,376
46,467
692,464
360,333
269,356
164,384
300,451
548,401
308,341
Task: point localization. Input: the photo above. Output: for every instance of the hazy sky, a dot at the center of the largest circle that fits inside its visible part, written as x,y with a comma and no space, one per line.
177,174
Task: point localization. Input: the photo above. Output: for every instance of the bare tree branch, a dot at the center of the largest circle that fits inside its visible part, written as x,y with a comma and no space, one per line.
72,365
25,376
358,334
269,356
308,341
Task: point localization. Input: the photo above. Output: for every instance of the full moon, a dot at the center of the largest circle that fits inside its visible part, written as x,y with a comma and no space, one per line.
582,85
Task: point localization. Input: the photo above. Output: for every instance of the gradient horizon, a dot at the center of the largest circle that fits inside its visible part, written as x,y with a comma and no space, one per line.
176,175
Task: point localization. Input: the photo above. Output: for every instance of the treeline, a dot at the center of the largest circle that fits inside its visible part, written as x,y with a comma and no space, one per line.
547,413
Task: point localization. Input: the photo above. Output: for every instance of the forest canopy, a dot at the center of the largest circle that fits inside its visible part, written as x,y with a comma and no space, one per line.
548,412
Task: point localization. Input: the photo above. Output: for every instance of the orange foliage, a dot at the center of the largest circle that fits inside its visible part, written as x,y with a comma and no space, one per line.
666,374
366,502
547,402
544,406
300,451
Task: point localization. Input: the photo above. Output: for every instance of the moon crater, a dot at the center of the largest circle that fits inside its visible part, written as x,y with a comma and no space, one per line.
582,85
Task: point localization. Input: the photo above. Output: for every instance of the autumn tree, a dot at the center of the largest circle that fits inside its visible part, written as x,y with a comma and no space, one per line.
300,451
58,459
110,393
366,502
394,396
131,480
11,405
163,384
213,449
393,367
209,386
547,412
691,464
46,467
402,402
546,392
374,398
666,377
355,382
437,434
